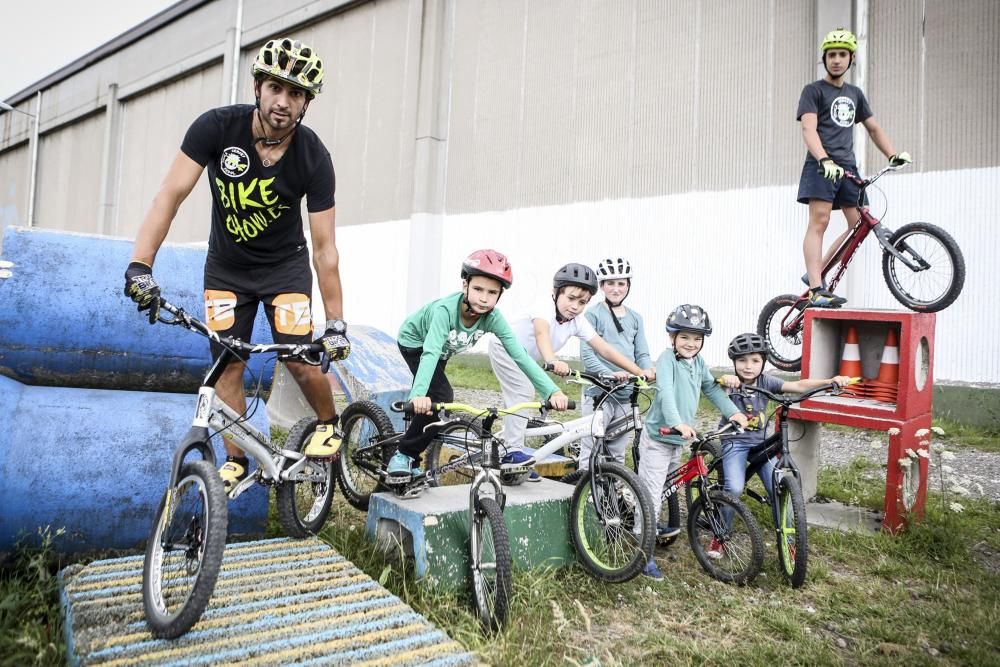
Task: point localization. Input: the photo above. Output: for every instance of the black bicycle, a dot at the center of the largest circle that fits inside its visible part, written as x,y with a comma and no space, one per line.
788,507
188,535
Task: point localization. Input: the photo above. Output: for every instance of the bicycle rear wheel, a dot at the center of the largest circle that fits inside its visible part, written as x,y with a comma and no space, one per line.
453,454
489,543
304,503
780,323
612,525
361,459
719,520
184,551
938,285
792,535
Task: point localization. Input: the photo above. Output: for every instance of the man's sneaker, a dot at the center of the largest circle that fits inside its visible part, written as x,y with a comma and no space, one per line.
822,298
234,471
663,531
805,279
652,571
534,477
324,443
715,549
401,467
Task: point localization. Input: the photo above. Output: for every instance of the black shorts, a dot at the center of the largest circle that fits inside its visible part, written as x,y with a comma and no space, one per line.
812,185
232,295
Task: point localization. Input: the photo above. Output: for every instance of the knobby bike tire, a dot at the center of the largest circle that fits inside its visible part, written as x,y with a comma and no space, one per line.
178,583
465,439
617,551
945,277
303,506
792,531
363,424
783,350
743,555
492,586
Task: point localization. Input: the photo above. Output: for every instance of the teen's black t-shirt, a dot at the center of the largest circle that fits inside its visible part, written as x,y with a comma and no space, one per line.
256,210
837,111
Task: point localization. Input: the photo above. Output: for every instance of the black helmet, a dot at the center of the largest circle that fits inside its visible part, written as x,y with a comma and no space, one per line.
747,343
689,318
578,275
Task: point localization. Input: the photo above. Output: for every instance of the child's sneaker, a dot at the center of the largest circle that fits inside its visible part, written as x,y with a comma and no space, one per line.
515,458
324,443
824,298
401,468
652,572
663,531
234,471
534,477
715,549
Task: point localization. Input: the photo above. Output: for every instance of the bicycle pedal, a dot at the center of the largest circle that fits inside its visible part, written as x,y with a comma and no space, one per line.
514,469
408,492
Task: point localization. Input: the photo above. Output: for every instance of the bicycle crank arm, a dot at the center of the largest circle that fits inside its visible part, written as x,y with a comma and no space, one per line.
912,261
243,485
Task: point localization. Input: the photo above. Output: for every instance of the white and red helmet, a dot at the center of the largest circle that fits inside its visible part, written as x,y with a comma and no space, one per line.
489,263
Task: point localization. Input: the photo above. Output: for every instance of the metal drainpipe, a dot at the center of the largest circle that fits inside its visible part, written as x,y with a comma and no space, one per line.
856,273
34,160
237,42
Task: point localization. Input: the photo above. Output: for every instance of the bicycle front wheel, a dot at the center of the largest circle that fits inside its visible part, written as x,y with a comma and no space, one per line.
792,535
725,538
184,551
780,324
361,459
942,277
454,453
304,501
492,586
612,523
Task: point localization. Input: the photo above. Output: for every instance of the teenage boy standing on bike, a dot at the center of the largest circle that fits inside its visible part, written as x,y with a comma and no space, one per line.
828,110
623,329
749,354
681,377
543,333
446,327
261,161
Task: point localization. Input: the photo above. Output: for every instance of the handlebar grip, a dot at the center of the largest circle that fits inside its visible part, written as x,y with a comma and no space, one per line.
406,407
548,367
571,405
666,430
854,381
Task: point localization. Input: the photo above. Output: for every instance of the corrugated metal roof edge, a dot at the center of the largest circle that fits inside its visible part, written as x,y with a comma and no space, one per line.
148,26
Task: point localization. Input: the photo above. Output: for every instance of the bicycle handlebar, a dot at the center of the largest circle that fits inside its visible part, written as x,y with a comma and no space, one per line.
605,381
406,407
309,353
865,182
703,438
788,400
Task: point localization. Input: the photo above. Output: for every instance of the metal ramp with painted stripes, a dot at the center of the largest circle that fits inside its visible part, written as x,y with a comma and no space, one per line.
276,602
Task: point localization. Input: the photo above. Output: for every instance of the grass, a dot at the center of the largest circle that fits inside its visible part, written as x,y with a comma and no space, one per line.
929,595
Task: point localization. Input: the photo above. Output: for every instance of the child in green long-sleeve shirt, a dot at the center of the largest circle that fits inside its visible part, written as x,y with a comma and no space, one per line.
681,377
445,327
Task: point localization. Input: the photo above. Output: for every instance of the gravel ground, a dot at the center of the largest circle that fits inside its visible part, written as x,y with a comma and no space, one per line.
975,470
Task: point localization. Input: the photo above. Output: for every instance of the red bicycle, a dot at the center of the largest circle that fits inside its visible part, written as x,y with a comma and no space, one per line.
922,265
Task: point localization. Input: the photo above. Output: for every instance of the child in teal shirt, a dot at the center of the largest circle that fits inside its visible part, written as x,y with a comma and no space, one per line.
446,327
681,377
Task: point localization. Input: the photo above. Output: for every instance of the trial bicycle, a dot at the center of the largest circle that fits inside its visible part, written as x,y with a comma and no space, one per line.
788,507
369,443
611,520
922,265
715,518
188,535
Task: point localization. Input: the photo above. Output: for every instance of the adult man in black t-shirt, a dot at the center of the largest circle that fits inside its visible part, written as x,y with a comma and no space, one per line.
261,162
828,110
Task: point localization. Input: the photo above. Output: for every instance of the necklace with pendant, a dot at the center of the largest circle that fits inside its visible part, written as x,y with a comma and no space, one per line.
268,143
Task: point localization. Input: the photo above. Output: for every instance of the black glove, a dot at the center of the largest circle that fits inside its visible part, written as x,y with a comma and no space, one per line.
141,288
336,346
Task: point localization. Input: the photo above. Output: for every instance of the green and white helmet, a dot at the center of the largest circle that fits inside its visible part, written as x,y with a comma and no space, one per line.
292,61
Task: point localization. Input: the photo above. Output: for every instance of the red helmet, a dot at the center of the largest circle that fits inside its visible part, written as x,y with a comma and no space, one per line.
489,263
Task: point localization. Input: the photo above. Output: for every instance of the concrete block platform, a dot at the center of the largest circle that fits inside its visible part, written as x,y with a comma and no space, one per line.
276,602
433,529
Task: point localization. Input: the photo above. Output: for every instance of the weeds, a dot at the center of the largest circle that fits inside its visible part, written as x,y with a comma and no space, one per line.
30,625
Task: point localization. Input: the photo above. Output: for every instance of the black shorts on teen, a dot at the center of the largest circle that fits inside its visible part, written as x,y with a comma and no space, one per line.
812,185
233,293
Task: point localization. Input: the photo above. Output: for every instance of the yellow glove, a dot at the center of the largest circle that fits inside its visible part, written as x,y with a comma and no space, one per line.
900,159
831,170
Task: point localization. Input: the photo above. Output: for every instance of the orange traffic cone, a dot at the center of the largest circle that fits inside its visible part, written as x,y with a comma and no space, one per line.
885,388
850,362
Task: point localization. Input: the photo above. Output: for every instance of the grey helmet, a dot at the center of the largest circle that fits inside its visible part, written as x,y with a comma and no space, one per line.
747,343
578,275
690,318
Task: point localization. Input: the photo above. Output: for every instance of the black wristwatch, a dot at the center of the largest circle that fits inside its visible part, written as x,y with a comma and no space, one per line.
337,326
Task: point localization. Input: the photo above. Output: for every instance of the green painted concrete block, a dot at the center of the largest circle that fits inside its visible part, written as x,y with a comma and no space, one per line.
433,529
